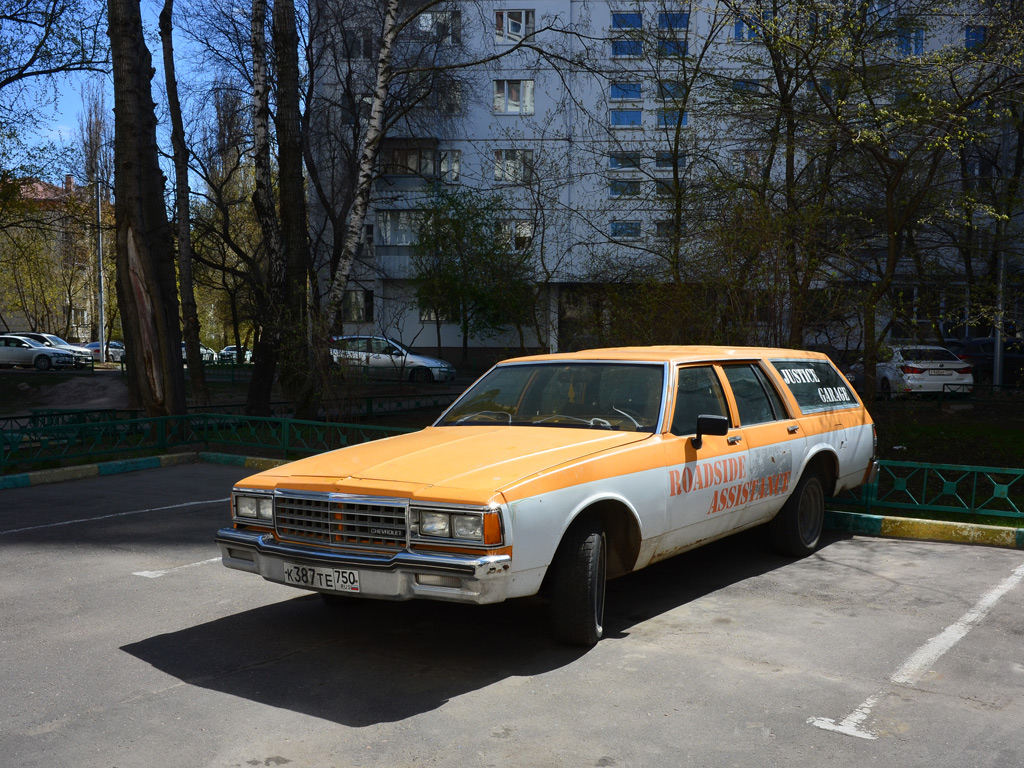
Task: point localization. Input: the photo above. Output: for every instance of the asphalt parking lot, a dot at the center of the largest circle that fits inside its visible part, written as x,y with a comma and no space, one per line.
126,644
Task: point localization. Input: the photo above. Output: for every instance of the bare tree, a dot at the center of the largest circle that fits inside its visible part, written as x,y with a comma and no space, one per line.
146,282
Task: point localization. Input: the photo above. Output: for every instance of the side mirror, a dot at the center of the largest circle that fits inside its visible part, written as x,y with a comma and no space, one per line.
709,425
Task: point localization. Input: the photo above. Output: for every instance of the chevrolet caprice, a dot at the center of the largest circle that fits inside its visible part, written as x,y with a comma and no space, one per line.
554,473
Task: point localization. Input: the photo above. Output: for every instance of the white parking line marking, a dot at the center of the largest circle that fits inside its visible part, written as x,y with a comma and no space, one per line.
914,668
158,574
116,514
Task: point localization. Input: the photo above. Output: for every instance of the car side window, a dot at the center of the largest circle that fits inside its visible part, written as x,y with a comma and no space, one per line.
756,398
698,393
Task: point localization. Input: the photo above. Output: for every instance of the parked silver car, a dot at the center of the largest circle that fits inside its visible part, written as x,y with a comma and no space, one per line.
18,350
115,351
384,358
82,356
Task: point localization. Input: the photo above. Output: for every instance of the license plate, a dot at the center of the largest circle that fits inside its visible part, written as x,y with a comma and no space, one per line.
939,372
316,577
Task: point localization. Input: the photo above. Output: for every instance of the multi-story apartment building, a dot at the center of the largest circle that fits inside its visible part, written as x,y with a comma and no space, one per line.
636,142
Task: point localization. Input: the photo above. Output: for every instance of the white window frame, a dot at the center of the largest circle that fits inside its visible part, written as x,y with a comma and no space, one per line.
503,23
513,166
503,101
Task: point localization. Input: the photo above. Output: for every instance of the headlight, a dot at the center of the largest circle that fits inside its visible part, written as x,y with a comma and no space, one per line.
435,524
451,525
255,507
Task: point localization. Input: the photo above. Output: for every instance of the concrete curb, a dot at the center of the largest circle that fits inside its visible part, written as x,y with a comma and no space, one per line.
924,530
81,471
847,522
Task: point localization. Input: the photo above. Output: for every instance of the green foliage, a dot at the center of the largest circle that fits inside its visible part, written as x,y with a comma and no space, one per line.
467,265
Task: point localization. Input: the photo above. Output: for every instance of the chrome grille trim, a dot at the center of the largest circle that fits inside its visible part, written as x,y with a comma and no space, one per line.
337,520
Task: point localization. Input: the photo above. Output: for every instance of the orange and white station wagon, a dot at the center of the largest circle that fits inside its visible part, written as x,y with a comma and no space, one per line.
554,472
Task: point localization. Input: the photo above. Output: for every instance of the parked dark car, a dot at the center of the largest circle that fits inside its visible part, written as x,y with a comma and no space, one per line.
980,353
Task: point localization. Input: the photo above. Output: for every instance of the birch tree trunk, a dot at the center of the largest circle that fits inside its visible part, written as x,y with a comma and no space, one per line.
146,279
265,352
367,160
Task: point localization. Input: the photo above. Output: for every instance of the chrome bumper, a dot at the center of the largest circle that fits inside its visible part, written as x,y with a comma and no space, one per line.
401,576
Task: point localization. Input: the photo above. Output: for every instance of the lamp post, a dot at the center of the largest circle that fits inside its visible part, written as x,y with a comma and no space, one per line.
99,274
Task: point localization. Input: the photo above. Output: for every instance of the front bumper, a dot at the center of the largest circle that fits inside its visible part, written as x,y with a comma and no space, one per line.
399,576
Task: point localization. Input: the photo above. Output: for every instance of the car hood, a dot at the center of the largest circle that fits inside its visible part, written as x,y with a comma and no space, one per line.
432,362
468,464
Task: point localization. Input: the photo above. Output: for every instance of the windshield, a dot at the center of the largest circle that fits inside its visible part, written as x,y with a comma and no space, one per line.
56,340
31,342
618,396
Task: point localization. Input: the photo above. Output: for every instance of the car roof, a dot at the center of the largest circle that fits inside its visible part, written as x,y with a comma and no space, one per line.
674,354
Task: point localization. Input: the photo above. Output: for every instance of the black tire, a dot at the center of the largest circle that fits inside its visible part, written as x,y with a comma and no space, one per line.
796,529
421,376
577,586
42,363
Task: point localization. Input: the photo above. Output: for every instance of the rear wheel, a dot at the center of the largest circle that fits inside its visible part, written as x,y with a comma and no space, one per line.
42,363
796,529
577,586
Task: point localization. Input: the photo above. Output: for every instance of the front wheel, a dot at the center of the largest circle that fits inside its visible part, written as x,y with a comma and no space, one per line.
578,585
421,376
42,363
796,529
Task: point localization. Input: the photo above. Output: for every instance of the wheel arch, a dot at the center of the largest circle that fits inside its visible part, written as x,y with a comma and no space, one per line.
621,526
826,464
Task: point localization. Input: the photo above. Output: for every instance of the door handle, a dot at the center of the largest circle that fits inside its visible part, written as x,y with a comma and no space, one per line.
793,429
734,440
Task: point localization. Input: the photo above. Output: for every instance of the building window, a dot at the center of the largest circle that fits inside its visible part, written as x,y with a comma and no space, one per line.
358,43
910,42
749,86
626,118
408,161
669,161
512,26
518,234
673,20
666,229
665,188
625,91
671,90
624,188
625,230
748,25
746,162
624,161
513,166
627,49
443,27
671,118
974,37
449,163
671,48
513,97
396,227
357,306
629,20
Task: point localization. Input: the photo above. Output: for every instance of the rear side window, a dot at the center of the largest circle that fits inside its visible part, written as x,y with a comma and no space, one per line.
756,399
816,385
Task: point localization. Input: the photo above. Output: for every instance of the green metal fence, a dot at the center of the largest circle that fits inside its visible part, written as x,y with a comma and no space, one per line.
947,488
65,441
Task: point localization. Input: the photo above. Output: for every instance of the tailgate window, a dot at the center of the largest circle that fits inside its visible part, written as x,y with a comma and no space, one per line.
816,385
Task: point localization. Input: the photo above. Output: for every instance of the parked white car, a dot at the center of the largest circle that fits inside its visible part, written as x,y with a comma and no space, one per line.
382,358
918,369
82,356
17,350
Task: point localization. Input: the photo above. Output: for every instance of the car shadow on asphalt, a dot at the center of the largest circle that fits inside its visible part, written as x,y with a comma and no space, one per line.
365,662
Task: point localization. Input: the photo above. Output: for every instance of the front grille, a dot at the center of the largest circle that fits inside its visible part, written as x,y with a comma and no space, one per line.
340,523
